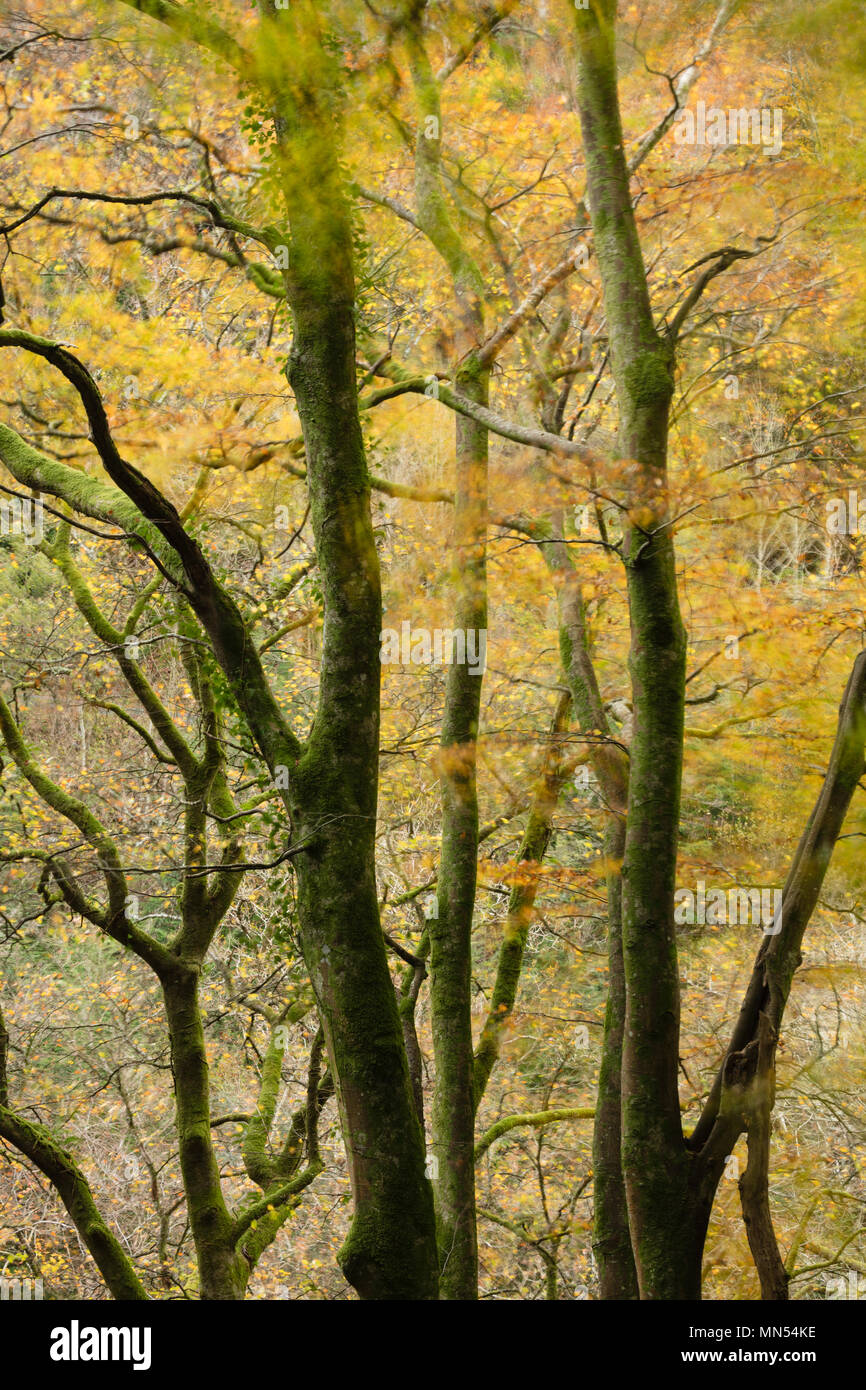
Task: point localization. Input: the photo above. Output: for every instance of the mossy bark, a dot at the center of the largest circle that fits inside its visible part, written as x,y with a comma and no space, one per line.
453,1111
617,1275
390,1252
655,1160
222,1270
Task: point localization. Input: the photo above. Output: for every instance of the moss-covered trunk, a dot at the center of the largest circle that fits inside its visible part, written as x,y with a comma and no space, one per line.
453,1112
655,1160
617,1275
222,1270
390,1252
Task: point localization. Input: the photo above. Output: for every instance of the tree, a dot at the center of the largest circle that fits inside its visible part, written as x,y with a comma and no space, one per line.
330,781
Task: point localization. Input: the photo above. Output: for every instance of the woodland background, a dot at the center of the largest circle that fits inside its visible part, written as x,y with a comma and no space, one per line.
187,341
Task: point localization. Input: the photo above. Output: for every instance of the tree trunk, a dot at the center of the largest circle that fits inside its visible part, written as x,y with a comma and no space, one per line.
654,1155
453,1110
221,1269
453,1115
611,1236
390,1252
